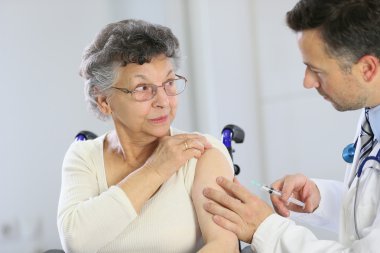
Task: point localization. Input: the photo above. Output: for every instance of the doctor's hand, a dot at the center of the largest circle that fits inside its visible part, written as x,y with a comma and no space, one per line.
297,186
238,211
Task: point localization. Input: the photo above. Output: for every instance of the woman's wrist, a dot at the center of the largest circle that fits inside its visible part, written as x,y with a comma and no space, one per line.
140,186
153,174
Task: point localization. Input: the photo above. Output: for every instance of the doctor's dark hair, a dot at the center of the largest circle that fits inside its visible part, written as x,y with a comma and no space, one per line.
349,28
119,44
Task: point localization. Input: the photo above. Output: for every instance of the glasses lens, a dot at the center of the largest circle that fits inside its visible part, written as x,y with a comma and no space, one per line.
175,87
144,92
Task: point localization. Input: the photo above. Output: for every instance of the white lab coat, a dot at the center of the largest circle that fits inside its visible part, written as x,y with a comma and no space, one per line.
279,234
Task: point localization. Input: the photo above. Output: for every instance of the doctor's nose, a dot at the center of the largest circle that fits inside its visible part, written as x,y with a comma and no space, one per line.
310,80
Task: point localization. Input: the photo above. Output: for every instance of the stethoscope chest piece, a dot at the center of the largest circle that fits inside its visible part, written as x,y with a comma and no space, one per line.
349,153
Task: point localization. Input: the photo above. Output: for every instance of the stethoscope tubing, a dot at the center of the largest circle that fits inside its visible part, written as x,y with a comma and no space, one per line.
358,176
368,158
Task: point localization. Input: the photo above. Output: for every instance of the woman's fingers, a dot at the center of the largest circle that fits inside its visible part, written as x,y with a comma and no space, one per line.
193,140
192,152
173,152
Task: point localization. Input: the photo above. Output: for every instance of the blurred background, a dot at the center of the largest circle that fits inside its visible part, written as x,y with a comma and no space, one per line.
243,67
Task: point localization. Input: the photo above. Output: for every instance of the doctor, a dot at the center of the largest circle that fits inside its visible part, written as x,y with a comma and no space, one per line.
340,44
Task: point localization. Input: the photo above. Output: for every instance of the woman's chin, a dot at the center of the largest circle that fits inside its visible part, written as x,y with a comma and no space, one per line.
161,131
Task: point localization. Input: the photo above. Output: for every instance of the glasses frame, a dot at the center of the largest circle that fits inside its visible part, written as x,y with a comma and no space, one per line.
155,88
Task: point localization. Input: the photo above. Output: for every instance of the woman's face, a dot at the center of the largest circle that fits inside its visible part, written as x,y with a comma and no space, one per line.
152,117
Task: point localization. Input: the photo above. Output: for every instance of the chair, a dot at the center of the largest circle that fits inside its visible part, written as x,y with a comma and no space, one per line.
85,135
232,133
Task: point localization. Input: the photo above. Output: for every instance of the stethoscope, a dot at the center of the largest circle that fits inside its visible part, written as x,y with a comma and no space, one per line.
348,156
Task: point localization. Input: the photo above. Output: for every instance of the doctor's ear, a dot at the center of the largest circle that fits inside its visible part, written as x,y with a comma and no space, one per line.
369,67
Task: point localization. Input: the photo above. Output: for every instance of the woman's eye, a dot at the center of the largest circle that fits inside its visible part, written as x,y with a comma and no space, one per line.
170,83
143,87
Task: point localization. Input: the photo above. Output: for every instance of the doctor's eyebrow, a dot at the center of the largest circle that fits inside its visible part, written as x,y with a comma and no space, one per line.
312,67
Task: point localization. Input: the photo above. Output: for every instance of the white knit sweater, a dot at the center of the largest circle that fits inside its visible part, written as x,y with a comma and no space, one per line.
93,217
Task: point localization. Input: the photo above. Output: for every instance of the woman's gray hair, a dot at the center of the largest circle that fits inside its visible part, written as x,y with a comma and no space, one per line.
118,44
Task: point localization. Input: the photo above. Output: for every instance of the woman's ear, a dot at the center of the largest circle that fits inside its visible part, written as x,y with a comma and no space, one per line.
103,104
369,67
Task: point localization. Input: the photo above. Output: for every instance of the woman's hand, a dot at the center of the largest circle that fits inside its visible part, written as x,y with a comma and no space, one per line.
171,153
299,187
174,151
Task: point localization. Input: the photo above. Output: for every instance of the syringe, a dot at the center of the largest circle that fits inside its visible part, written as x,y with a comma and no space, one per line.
270,190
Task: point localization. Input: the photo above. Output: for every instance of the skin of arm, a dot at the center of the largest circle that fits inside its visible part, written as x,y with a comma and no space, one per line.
211,165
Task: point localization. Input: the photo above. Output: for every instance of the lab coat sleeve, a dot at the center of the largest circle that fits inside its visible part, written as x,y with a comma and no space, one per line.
278,235
281,235
326,216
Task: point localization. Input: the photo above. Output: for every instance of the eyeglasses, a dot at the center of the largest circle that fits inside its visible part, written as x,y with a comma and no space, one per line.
145,92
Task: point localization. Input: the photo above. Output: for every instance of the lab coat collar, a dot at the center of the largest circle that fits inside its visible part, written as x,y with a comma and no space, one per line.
374,121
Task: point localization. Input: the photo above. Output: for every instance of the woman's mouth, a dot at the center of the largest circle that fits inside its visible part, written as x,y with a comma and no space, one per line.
159,120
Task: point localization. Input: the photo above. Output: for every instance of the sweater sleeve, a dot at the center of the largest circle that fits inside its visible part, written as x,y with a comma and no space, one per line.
88,219
189,170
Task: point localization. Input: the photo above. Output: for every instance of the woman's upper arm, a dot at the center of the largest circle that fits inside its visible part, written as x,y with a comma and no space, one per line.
212,164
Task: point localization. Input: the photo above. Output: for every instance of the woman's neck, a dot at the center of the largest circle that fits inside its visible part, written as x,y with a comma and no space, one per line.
133,151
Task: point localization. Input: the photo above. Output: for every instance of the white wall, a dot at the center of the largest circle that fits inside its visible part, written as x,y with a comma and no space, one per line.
42,100
244,68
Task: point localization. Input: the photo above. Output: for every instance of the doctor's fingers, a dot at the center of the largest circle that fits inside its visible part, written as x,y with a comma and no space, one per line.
279,206
241,230
234,189
311,196
220,211
223,199
292,184
231,221
278,183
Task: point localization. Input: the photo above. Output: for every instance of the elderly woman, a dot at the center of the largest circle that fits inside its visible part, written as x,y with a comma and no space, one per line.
138,188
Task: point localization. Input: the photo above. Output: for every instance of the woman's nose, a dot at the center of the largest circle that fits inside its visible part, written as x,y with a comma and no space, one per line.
161,99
